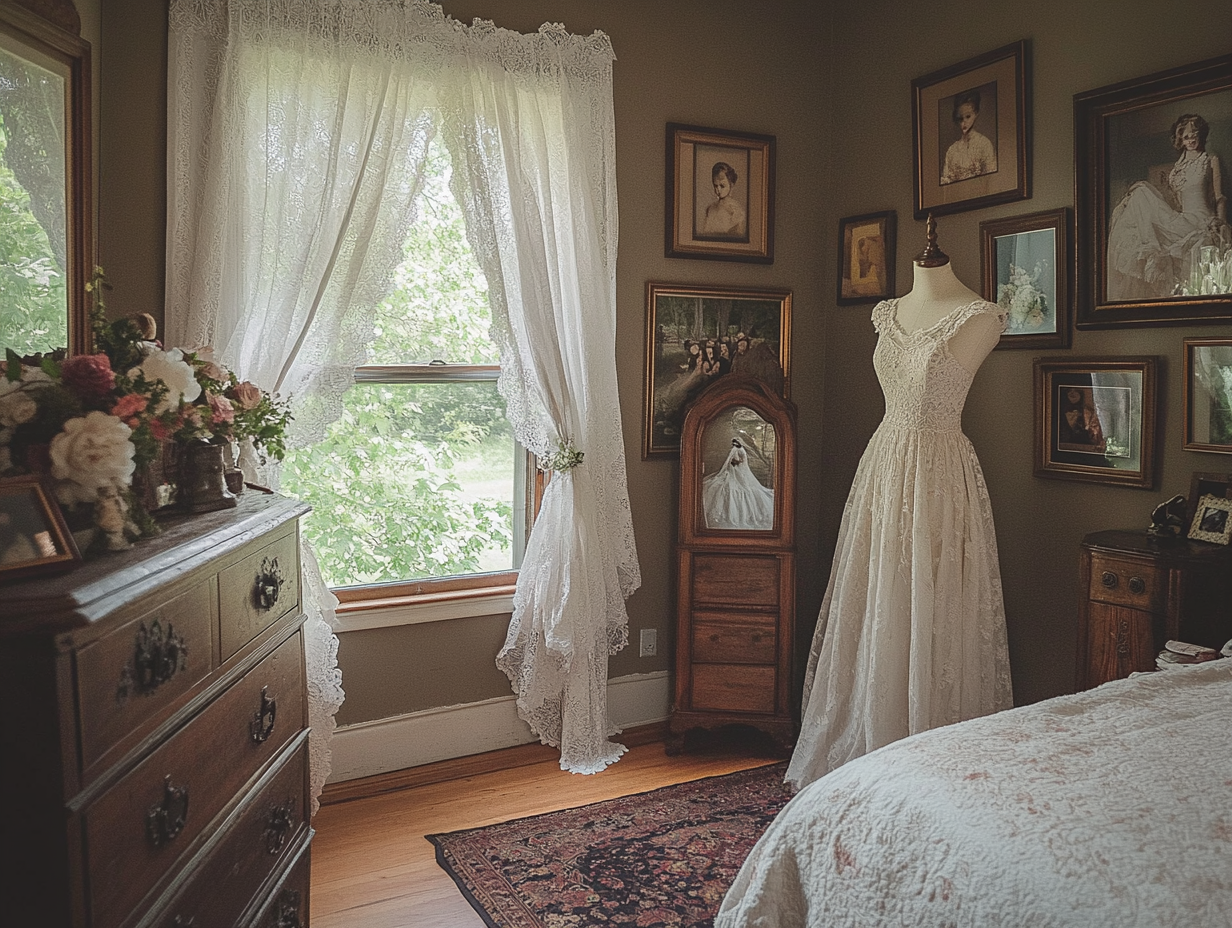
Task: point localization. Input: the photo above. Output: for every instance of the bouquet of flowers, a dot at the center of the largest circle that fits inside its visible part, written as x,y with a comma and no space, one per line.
91,422
1027,304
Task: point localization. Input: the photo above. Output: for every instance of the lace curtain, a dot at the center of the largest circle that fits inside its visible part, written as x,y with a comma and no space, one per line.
298,131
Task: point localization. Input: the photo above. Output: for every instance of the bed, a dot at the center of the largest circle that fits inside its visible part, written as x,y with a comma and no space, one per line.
1111,807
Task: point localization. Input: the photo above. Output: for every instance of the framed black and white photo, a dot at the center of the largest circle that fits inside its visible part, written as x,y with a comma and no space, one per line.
1025,268
720,194
866,258
1211,520
1153,246
969,122
1095,419
34,538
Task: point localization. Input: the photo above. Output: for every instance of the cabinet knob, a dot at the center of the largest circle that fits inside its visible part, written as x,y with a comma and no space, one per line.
1109,580
1137,585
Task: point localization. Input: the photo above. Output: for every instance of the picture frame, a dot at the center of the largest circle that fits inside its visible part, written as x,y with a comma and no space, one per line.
866,258
1095,419
1208,394
1212,520
34,538
1140,254
969,122
680,317
1203,483
1026,267
709,214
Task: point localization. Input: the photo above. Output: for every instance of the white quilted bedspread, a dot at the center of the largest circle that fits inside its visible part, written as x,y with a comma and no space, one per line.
1110,808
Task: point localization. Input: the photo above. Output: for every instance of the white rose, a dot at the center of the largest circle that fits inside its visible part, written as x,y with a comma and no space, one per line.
17,408
171,368
92,451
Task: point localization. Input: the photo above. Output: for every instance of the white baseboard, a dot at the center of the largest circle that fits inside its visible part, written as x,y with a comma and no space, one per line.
384,745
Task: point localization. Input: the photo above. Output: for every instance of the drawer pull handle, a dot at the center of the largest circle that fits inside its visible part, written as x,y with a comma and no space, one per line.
158,655
165,821
1109,580
1137,585
262,724
268,584
286,911
278,828
182,922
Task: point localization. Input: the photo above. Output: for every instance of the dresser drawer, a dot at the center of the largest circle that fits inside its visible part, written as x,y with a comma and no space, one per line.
139,670
736,580
289,906
1122,582
734,639
733,688
256,592
137,831
260,842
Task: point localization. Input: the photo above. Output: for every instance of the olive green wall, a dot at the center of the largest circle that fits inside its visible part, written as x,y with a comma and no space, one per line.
832,84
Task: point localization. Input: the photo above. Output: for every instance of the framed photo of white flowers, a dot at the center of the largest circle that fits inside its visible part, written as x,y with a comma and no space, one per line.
1027,267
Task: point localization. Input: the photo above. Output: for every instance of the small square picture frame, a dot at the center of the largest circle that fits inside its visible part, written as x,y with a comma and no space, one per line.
34,538
1212,520
1202,483
866,258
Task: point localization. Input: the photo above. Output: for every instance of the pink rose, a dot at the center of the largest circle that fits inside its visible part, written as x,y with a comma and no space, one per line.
246,395
221,409
89,376
129,405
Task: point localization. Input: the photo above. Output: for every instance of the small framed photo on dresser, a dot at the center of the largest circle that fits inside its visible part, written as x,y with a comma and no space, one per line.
34,538
1211,520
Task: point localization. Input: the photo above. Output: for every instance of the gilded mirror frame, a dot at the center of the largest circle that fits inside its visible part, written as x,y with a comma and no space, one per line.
50,31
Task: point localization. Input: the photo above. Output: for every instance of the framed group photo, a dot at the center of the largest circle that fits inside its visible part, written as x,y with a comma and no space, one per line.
1025,268
1152,244
1208,394
34,537
720,194
969,123
695,334
866,258
1095,419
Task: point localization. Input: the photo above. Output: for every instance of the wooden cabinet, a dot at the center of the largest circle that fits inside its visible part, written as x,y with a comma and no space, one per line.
155,756
1138,593
736,575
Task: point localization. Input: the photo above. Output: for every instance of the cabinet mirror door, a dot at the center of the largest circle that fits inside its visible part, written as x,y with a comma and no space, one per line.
739,464
45,211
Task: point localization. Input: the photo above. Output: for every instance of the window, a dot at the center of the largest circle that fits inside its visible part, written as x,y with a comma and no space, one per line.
419,485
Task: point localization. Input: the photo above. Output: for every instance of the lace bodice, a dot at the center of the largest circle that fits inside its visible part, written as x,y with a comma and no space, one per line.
1189,180
925,386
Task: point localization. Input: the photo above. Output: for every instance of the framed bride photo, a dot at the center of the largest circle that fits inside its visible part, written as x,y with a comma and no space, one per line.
1151,163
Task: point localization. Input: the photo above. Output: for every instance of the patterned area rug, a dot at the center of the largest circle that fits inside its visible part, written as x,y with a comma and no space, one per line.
665,857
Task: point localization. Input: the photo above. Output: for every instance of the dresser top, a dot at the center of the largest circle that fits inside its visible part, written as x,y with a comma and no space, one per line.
101,584
1128,541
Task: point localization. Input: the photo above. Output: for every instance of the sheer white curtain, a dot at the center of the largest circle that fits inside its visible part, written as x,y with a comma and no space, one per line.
532,133
297,136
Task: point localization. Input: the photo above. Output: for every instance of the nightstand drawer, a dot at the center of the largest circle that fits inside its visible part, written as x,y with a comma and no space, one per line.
745,579
140,670
734,639
137,831
733,687
258,591
1125,582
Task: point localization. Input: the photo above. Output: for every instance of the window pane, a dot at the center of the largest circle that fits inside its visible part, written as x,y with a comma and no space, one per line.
412,481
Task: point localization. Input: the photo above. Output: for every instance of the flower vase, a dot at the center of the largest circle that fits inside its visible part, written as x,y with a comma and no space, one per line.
203,483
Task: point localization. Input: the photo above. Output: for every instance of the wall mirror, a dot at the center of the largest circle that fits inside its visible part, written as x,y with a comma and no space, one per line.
738,471
46,213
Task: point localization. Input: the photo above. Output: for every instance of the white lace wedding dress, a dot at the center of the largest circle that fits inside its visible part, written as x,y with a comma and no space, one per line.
734,498
911,633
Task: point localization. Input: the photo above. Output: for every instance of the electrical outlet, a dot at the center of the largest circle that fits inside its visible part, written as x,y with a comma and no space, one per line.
649,643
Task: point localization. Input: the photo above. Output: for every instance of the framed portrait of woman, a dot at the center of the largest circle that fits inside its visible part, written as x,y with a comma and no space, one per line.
1151,163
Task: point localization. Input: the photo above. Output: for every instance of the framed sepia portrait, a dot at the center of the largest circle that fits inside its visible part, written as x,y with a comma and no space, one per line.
1211,520
696,334
866,258
1095,419
1208,395
720,194
1154,247
969,123
34,537
1025,268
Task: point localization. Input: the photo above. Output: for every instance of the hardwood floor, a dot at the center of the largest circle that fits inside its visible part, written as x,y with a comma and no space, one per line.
373,868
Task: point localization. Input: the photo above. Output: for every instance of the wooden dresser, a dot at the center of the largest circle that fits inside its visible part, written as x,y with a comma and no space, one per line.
1138,593
154,754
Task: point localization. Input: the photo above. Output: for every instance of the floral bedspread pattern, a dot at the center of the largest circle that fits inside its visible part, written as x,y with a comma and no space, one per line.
1108,807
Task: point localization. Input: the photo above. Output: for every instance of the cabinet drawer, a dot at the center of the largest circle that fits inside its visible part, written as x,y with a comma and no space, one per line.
733,687
137,830
138,671
260,842
258,591
1123,582
736,579
289,906
734,640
